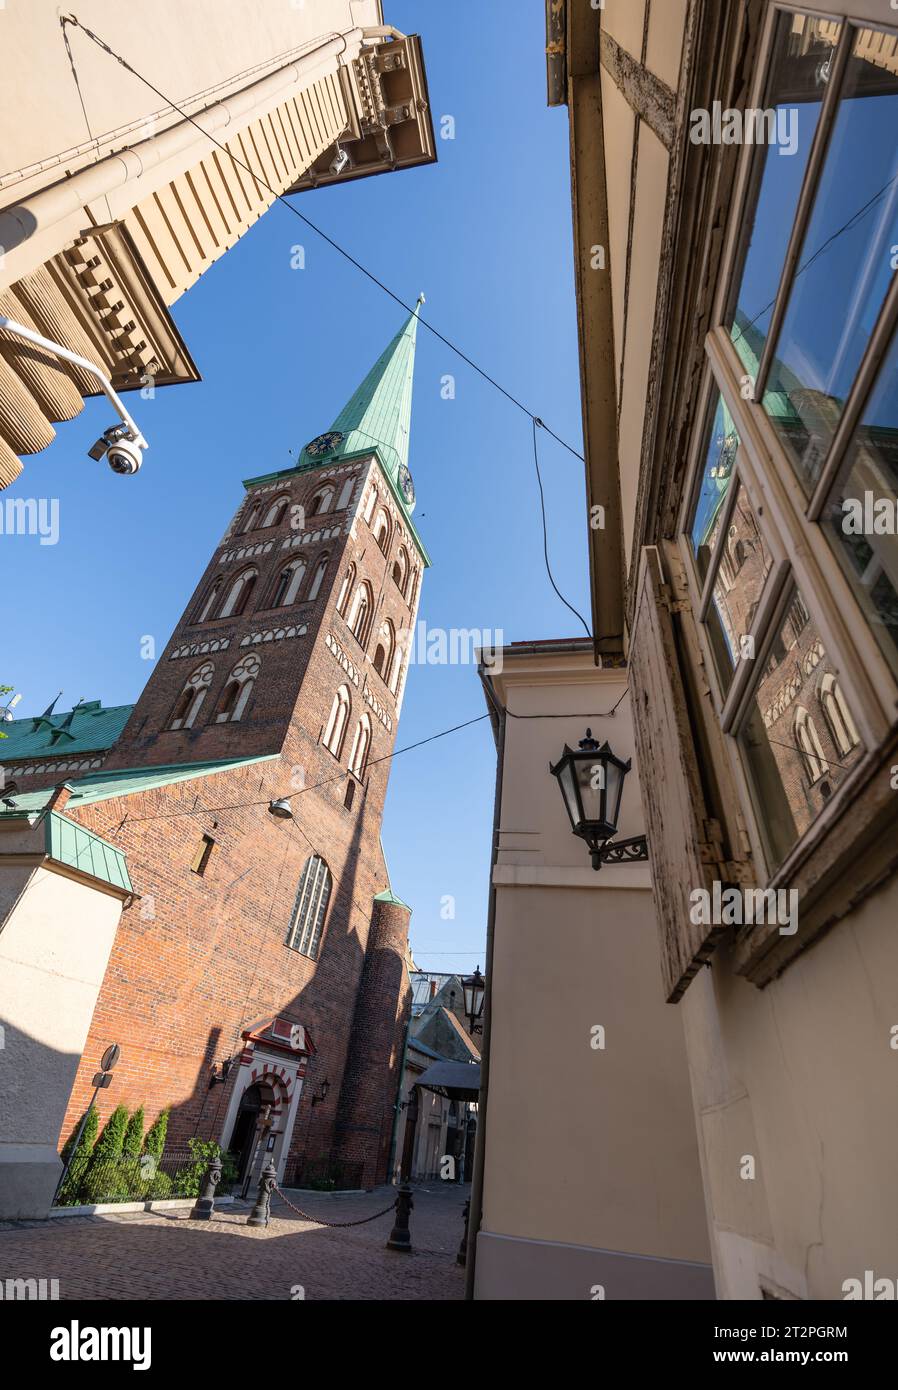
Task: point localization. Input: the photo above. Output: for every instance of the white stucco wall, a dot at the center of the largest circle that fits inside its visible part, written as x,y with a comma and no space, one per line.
55,939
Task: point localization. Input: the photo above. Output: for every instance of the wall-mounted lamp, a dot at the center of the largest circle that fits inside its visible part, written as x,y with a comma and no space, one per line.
321,1093
218,1078
592,785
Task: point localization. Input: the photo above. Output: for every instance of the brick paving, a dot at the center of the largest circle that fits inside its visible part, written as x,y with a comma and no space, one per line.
164,1255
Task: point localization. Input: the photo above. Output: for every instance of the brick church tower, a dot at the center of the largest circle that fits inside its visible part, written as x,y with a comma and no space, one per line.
264,961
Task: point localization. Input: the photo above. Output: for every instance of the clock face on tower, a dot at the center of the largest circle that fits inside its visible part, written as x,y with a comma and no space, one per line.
325,443
406,484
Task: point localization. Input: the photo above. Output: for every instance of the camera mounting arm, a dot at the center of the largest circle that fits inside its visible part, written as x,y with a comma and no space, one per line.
20,331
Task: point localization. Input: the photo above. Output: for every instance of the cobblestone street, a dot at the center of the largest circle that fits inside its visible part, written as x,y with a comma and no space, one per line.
164,1255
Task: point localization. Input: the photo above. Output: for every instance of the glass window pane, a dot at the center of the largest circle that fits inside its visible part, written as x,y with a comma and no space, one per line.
745,563
800,66
788,739
861,512
845,265
720,458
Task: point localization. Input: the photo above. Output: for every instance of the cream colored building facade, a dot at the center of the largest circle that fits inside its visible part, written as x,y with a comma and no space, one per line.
738,304
587,1182
113,202
62,891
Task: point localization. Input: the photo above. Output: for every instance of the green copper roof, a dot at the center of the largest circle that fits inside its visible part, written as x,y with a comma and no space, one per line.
86,728
100,786
388,896
81,849
378,416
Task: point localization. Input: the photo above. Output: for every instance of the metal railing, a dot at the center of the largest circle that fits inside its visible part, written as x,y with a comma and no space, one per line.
177,1173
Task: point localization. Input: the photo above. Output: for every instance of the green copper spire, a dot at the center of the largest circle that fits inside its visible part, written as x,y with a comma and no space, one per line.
378,415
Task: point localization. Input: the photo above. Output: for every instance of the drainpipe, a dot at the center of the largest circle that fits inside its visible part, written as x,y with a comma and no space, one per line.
40,211
475,1215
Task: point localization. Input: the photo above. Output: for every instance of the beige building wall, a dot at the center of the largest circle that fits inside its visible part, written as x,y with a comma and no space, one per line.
56,933
591,1184
114,200
791,1053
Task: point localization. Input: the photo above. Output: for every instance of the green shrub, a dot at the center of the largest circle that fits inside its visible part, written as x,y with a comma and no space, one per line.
133,1142
69,1194
158,1188
103,1178
189,1179
154,1143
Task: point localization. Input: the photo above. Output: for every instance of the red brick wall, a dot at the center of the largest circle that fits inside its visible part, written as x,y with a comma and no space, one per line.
200,958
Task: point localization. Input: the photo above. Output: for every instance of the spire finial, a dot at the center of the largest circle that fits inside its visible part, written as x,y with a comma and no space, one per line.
421,300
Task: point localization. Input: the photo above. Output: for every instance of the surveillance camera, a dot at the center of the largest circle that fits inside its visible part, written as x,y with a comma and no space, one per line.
124,457
119,450
339,161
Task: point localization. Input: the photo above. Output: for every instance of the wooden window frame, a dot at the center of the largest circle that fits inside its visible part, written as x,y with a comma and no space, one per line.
787,516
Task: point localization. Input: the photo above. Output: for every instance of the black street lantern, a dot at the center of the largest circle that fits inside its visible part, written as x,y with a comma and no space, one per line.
592,784
473,986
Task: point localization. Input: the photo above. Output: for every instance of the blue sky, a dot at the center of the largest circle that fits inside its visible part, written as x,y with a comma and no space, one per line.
486,233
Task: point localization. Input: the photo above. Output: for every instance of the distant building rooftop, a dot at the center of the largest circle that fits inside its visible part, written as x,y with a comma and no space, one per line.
87,728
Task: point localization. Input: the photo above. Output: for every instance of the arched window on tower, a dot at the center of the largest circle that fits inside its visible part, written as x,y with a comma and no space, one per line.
209,600
346,588
251,520
346,494
239,594
317,578
286,586
275,514
383,652
237,690
335,729
358,758
320,501
401,570
838,715
187,705
370,504
310,908
808,741
382,531
360,612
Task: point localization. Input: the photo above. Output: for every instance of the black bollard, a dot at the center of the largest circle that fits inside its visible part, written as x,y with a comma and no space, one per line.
261,1212
461,1257
204,1206
400,1237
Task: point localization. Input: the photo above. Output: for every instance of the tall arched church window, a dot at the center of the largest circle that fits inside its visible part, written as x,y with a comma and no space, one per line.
383,652
251,519
808,741
345,494
360,612
237,690
310,908
320,502
346,589
838,715
209,600
401,569
239,594
275,514
187,705
358,758
370,504
318,578
335,729
286,586
382,531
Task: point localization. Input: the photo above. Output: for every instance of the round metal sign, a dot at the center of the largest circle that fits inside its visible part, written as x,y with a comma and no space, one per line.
110,1057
